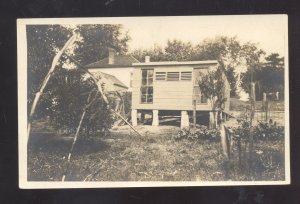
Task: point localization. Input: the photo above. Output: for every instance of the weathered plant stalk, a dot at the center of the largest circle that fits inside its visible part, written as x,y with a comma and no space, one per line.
45,82
76,134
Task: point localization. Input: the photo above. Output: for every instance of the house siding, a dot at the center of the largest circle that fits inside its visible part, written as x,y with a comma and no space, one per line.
167,95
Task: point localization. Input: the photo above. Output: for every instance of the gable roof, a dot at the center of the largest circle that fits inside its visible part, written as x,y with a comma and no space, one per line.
111,78
119,61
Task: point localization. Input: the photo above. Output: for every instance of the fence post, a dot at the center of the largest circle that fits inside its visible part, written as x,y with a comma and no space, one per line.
252,96
239,146
267,110
228,142
224,139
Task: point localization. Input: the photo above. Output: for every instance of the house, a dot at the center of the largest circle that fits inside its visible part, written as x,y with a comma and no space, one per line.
116,65
164,88
159,88
111,83
115,72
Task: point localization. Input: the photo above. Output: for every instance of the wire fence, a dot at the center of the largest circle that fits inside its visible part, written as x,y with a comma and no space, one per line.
270,111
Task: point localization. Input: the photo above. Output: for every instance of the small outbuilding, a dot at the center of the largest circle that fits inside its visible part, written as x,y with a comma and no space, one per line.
171,88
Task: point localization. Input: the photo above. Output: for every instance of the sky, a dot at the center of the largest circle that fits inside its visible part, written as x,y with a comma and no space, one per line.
266,30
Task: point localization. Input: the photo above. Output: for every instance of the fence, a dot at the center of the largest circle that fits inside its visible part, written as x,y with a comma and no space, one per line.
270,110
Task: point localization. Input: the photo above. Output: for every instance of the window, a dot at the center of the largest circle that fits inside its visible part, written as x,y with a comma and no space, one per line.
186,76
173,76
147,86
160,76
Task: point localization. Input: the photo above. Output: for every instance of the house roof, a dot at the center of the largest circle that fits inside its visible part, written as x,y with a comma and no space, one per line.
119,61
170,63
111,78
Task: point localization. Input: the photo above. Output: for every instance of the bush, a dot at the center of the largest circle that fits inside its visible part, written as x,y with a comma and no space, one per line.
268,131
199,133
261,131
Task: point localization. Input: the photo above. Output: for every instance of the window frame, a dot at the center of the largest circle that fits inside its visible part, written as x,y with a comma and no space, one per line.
167,77
190,77
148,86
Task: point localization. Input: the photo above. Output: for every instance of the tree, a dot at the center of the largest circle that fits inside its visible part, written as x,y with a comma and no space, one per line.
42,44
156,54
273,61
271,74
96,39
253,56
212,86
66,93
176,50
234,57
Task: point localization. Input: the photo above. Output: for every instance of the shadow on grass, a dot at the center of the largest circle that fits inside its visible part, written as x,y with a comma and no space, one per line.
50,142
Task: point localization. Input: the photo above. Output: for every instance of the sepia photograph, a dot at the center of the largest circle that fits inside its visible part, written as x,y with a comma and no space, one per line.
153,101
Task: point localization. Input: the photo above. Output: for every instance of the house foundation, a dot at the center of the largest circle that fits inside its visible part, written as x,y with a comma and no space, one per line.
155,119
184,119
134,117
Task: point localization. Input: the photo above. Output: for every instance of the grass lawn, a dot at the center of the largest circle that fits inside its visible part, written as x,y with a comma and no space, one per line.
156,156
125,156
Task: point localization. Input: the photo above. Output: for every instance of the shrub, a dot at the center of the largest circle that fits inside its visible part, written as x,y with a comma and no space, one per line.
199,133
268,131
261,131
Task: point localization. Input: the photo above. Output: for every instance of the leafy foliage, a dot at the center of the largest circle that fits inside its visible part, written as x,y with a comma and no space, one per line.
268,131
212,86
67,91
96,39
262,131
200,133
42,42
232,55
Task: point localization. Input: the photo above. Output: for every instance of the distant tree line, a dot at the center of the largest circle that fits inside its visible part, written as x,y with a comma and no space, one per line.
233,57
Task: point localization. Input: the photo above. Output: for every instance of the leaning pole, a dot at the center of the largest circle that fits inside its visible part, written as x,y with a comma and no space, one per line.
45,82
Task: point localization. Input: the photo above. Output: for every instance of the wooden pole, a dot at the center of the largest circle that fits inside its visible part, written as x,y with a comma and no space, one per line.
239,147
194,114
224,136
73,144
252,97
77,133
45,82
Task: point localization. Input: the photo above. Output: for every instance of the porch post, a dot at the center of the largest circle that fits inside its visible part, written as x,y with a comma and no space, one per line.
134,117
142,118
184,119
155,120
211,120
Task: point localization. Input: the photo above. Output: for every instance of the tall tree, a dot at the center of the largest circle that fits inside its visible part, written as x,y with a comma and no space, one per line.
96,39
234,57
271,74
42,44
177,50
212,86
68,87
274,61
156,54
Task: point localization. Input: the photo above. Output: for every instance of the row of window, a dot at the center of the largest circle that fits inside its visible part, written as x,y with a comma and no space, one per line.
147,84
173,76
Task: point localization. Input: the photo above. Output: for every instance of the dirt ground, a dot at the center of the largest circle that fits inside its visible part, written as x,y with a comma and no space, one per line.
125,156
